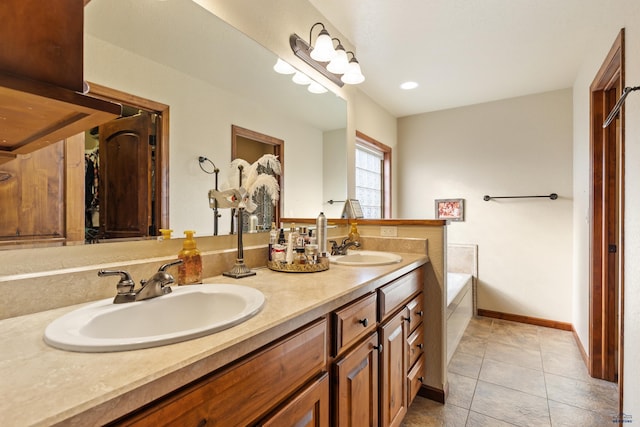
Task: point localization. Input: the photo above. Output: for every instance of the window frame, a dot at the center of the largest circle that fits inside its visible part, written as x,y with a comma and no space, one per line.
385,151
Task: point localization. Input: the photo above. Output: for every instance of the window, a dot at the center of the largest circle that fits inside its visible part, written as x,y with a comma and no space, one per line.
373,172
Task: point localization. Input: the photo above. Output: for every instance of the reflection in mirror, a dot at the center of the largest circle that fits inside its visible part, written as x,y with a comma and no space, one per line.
211,76
250,146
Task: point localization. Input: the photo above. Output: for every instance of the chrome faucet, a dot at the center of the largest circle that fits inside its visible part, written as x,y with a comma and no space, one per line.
159,284
342,249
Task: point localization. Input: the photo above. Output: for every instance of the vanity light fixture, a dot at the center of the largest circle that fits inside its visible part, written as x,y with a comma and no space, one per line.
333,63
353,75
323,50
340,61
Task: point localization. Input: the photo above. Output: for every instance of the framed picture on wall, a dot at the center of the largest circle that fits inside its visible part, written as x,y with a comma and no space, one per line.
451,209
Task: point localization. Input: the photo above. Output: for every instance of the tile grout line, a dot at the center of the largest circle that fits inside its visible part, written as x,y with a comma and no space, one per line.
477,378
544,378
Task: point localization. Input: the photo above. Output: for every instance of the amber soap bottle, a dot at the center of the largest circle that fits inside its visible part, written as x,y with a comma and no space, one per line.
190,271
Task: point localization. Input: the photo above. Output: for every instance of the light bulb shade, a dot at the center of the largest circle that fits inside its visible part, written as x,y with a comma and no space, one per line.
283,67
353,75
340,61
323,50
301,78
316,87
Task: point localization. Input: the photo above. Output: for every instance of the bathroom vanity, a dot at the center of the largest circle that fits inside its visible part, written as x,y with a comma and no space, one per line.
329,346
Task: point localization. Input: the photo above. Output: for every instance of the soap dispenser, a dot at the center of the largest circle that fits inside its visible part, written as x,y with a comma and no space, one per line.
190,271
354,236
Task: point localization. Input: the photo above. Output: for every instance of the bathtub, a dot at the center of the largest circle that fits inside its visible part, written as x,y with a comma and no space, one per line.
462,272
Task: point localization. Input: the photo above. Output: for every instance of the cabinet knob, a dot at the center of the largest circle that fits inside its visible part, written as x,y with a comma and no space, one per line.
202,422
420,346
421,379
365,322
420,313
408,319
378,347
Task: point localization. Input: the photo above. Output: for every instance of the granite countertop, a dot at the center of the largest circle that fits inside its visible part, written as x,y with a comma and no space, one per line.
45,386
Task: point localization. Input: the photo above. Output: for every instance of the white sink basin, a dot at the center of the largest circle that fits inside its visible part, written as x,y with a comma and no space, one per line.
188,312
356,257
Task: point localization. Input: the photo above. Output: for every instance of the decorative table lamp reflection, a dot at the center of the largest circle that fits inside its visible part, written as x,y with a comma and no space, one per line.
251,177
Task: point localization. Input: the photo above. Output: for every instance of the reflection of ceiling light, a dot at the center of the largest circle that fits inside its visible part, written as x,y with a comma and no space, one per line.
316,87
408,85
331,62
283,67
301,78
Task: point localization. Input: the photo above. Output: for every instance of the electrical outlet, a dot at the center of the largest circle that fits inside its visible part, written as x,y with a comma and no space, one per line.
389,231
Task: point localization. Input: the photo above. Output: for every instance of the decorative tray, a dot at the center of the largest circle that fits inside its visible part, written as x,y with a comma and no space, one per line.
322,265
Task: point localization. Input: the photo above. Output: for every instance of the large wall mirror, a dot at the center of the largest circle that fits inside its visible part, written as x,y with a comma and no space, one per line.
212,77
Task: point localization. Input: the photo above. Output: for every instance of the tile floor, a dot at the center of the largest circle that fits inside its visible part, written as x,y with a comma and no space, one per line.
513,374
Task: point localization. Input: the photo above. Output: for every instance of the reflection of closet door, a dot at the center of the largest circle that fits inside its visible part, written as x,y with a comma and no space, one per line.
125,177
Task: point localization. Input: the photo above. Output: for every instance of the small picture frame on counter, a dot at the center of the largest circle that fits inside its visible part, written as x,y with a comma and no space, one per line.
450,209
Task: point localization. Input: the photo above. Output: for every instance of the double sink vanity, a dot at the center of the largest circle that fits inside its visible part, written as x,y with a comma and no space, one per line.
278,348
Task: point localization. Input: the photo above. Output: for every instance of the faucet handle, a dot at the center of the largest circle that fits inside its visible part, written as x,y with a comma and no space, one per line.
125,286
169,264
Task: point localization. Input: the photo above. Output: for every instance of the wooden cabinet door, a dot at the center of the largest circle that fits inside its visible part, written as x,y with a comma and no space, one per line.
42,195
355,388
246,391
393,370
125,177
308,408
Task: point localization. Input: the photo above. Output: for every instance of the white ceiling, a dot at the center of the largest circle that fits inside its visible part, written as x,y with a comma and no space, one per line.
464,52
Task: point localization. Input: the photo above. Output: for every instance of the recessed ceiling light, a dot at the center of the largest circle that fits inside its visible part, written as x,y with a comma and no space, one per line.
408,85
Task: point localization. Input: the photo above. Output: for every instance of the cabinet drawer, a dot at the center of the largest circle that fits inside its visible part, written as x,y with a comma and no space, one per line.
416,345
415,377
354,321
398,292
245,391
309,407
416,311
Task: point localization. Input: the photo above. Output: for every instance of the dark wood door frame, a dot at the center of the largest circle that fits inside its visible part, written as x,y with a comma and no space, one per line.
606,219
162,144
238,132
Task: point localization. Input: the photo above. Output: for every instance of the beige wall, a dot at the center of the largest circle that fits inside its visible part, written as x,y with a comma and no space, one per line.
375,122
519,146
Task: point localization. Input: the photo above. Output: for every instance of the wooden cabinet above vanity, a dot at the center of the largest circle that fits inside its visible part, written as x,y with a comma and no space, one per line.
41,76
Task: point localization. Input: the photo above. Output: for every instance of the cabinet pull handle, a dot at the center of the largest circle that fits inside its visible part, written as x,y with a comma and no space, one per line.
420,313
202,422
408,319
421,379
365,322
378,347
420,346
